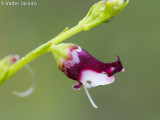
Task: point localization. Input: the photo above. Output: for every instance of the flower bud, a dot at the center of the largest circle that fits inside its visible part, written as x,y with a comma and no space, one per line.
79,65
101,12
5,64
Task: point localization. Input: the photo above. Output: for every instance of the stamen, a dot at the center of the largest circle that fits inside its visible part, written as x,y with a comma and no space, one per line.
31,88
90,99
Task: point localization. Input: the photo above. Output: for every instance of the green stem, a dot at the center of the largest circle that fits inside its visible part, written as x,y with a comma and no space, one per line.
43,49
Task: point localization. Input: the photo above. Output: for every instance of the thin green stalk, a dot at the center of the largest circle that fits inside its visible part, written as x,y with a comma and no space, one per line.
99,13
43,49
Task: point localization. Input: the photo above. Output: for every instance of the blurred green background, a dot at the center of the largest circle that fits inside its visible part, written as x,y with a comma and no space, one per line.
134,35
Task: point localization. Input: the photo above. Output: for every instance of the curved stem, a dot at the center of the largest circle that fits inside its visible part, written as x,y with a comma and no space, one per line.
43,49
31,89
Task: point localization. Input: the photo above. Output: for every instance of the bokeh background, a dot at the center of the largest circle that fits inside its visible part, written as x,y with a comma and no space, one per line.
134,35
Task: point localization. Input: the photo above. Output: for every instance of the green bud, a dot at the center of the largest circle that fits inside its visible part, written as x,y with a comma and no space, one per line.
102,12
61,52
5,64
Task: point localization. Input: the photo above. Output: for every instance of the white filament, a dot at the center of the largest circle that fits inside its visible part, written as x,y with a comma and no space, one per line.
30,90
90,99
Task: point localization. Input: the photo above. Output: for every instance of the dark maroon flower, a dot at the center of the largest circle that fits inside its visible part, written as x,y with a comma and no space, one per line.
79,65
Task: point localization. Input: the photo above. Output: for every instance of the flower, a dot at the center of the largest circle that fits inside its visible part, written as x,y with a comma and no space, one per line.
79,65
